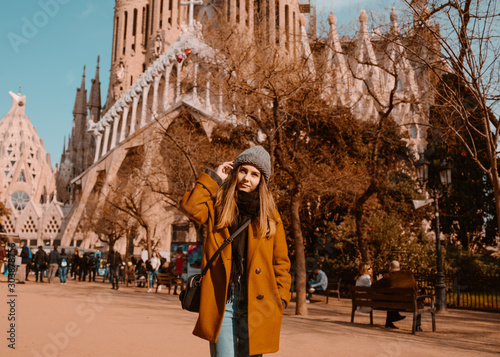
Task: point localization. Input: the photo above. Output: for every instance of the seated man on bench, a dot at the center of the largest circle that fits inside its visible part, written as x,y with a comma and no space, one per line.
321,283
397,278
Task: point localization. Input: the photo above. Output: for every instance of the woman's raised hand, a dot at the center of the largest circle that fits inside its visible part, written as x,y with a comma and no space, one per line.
224,169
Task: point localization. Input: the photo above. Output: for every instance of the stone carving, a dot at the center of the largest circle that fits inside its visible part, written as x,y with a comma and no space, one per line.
120,72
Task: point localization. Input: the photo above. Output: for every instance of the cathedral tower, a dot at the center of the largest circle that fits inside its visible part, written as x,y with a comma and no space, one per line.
128,56
79,154
144,29
27,179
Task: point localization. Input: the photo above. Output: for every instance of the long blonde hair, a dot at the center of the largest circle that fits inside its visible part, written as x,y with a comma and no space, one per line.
363,270
226,209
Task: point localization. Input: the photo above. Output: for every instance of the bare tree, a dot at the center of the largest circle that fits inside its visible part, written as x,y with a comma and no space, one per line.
459,43
276,92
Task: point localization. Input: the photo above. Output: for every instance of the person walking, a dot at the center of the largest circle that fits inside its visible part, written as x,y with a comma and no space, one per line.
22,269
53,264
75,264
91,266
250,278
40,263
83,266
153,267
63,266
114,261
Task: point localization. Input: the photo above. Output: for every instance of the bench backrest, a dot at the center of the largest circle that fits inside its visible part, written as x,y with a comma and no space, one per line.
163,277
384,298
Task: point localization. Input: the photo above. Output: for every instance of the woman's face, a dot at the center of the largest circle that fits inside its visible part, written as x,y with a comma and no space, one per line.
247,178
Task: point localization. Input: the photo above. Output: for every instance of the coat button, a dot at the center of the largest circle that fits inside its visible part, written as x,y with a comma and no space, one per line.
257,271
260,297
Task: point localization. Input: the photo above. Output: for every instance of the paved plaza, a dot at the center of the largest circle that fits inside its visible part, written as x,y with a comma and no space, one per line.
90,319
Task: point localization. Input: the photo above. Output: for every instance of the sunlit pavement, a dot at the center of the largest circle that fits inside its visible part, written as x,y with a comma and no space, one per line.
91,319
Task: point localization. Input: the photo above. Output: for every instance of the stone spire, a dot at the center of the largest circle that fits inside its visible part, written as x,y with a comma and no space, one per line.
306,48
364,52
337,73
81,98
394,22
95,96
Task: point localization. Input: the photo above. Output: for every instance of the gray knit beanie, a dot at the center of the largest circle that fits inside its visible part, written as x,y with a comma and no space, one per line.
258,157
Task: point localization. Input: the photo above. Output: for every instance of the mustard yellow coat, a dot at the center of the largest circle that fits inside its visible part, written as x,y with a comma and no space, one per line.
268,276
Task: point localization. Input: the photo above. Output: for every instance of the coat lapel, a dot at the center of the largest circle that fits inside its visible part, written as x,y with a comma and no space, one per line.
253,241
225,255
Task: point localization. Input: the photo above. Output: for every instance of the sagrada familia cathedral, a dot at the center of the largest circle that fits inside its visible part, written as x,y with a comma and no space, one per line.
152,43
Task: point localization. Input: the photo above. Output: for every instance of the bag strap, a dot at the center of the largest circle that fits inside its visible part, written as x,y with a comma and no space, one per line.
224,245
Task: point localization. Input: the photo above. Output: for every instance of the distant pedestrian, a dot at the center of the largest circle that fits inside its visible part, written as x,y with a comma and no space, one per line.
53,263
63,266
115,262
83,267
154,265
97,256
91,266
75,264
25,260
40,263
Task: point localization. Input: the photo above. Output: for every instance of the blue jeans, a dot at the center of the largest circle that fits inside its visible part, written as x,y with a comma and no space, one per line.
63,271
152,278
318,288
233,335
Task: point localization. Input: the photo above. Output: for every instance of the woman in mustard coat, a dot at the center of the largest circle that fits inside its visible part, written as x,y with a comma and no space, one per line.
246,289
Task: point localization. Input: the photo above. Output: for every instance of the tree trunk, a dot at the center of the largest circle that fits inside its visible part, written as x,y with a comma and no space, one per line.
361,224
300,258
148,244
362,237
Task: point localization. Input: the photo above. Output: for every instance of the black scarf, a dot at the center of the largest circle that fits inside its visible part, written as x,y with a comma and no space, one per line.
248,207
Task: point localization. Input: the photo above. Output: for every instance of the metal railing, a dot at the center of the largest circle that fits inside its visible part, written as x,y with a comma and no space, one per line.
477,292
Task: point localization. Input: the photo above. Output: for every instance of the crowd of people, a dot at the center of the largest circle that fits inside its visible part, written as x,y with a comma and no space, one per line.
85,266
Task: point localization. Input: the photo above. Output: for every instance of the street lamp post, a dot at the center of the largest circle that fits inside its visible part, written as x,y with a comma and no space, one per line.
445,177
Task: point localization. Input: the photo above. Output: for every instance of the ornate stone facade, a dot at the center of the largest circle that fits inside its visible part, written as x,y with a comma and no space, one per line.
157,46
27,180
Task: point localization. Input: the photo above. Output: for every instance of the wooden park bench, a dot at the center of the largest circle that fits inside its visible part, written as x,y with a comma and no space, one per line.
396,299
333,287
168,280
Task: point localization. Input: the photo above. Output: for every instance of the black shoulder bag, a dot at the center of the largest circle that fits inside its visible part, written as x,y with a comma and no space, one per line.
190,296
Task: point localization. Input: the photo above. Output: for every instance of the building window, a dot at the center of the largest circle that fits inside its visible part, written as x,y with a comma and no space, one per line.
413,131
277,11
21,177
134,26
287,29
20,199
180,233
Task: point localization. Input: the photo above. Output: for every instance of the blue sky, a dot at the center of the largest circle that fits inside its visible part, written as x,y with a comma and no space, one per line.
44,45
